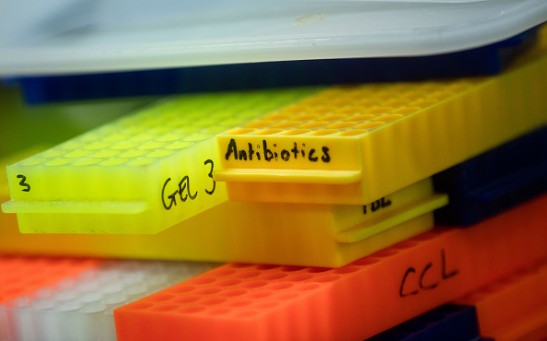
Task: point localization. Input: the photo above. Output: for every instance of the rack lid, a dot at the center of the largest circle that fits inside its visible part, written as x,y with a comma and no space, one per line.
75,36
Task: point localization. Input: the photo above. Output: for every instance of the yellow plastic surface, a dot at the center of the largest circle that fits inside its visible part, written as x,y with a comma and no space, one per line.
314,235
352,144
140,174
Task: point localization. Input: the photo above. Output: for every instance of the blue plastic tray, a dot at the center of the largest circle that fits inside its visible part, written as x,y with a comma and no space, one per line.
484,60
494,181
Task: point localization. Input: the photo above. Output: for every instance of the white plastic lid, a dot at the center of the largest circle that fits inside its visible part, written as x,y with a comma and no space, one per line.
77,36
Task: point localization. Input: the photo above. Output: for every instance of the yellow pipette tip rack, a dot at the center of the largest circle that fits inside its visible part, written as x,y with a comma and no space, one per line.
140,174
352,144
304,234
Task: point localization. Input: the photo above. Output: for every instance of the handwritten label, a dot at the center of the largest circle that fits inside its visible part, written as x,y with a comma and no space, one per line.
183,190
377,205
416,280
269,152
26,186
210,175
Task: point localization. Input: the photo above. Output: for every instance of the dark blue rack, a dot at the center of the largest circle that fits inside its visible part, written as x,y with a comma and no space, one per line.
494,181
484,60
449,322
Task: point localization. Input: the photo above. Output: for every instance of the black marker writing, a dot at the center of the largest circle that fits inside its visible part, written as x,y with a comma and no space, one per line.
183,192
184,189
271,153
424,281
23,183
210,175
377,205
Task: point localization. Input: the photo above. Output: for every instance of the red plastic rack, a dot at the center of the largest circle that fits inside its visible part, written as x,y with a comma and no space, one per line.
263,302
514,308
22,275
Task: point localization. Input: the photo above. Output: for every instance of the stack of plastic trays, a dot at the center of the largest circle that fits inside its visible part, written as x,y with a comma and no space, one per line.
359,300
318,235
258,308
260,302
352,145
321,235
483,60
494,181
104,194
58,299
293,162
141,174
429,117
513,308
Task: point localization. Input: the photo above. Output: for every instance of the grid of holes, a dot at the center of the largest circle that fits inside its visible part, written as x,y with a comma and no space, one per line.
111,284
22,275
161,130
247,290
353,111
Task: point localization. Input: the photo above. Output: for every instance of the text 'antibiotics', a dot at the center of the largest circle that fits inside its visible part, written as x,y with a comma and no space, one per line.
270,152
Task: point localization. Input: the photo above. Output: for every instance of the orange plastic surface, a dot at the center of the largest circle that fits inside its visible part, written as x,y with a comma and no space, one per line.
513,308
532,326
262,302
23,275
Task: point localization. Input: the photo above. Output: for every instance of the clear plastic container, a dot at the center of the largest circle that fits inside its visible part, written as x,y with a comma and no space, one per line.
94,35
